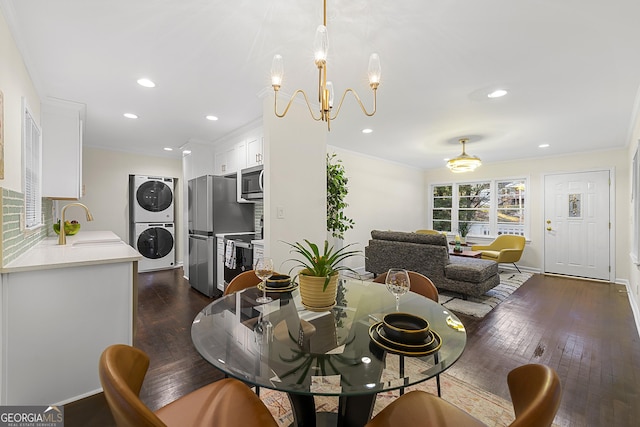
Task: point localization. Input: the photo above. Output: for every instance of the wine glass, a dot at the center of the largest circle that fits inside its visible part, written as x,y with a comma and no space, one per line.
397,282
264,269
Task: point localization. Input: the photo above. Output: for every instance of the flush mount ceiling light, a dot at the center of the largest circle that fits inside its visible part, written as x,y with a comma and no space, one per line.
146,83
212,118
325,88
130,116
464,162
497,93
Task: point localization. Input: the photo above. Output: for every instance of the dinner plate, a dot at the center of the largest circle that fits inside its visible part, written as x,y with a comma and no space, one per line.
285,289
423,346
395,348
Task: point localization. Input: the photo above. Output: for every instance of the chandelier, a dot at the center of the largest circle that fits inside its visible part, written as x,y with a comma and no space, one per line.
464,162
325,88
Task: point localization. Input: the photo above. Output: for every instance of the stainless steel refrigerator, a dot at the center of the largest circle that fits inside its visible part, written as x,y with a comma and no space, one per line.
213,209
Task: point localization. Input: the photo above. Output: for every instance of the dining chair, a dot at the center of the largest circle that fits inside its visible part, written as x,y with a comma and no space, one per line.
226,402
535,392
422,285
244,280
505,248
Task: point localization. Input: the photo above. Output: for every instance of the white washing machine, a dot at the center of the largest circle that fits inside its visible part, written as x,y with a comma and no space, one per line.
151,198
156,244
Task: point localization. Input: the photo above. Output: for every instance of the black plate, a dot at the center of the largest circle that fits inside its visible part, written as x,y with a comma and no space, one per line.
289,288
279,281
424,345
395,348
406,328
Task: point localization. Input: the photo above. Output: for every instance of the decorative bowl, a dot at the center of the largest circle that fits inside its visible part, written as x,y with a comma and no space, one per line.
70,228
405,328
279,281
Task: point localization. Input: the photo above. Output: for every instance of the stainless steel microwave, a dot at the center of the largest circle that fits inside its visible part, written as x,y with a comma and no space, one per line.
252,183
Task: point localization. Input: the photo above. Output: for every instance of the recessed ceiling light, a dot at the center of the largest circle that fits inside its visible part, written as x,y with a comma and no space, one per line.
130,116
497,93
186,151
212,118
543,145
168,149
146,83
367,130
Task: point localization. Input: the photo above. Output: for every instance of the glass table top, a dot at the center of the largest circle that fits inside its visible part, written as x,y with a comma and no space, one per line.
282,346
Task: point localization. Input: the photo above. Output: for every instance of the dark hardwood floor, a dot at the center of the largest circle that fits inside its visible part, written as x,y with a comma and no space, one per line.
585,330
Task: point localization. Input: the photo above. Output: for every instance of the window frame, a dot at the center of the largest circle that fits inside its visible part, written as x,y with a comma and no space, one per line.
493,201
31,169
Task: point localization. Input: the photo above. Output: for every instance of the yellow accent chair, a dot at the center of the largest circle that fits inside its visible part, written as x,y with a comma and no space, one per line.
427,232
505,248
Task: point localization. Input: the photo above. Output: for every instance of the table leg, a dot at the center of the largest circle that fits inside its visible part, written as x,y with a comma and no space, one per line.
355,411
304,410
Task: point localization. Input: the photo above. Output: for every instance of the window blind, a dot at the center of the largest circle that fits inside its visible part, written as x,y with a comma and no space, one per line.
32,152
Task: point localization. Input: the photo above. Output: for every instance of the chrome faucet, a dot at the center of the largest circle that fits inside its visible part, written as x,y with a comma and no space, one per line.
62,238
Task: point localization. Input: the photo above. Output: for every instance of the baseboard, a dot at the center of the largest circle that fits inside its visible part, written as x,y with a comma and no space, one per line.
635,309
79,397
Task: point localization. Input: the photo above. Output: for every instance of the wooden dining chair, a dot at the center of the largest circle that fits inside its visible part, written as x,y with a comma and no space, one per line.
422,285
244,280
226,402
535,392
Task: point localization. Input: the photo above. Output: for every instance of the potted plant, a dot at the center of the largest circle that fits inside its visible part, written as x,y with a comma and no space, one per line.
318,276
337,221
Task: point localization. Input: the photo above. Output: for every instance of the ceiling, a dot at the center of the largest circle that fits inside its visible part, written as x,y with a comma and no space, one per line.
571,67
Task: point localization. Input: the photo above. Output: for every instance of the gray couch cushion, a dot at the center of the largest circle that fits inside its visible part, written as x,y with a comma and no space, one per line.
400,236
471,269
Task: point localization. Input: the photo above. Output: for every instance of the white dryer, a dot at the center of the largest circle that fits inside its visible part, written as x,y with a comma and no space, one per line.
156,244
151,198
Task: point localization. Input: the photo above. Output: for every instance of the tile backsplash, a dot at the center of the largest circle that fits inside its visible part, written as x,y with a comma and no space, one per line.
14,241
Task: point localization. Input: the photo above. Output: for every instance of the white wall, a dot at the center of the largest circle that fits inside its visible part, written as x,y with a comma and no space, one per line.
634,270
535,170
295,180
105,175
382,196
15,83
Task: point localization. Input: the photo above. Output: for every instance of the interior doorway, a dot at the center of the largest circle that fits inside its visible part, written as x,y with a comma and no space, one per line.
577,224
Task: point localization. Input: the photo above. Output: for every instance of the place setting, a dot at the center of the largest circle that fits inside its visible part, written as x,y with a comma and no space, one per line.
278,283
405,334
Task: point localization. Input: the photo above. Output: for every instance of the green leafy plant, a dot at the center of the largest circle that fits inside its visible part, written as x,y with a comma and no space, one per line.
325,264
337,222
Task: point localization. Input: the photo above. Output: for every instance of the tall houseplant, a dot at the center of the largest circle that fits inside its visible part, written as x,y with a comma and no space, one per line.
337,221
318,276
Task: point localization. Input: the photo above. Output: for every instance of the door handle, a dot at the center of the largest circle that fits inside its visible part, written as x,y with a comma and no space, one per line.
548,228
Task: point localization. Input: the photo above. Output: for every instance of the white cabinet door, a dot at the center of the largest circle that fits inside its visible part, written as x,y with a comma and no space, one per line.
61,151
254,152
226,161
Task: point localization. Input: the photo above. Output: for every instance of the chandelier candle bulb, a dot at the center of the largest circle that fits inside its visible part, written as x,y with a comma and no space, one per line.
277,71
321,45
374,70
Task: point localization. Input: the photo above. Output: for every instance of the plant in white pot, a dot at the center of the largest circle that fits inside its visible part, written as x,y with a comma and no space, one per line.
318,276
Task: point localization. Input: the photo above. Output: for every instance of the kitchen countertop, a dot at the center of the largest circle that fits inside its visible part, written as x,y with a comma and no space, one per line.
258,242
85,248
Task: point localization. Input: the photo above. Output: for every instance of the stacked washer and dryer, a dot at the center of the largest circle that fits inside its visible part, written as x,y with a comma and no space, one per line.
151,215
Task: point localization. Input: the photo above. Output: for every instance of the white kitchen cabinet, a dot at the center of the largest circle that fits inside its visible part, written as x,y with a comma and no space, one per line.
220,263
226,161
254,152
61,150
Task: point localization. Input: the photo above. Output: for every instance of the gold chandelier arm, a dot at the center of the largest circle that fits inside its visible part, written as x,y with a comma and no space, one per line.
355,94
284,113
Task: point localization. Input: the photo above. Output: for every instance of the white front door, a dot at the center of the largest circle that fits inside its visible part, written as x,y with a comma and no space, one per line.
577,224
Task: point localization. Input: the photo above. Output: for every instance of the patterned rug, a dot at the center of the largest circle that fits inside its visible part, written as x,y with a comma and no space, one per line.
489,408
480,306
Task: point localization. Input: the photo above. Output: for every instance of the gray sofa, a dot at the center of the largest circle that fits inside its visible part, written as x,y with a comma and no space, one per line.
429,255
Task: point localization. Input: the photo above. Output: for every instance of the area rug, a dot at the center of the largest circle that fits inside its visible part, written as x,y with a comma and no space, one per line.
480,306
487,407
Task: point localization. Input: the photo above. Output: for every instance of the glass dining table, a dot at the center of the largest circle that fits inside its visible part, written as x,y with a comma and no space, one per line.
281,345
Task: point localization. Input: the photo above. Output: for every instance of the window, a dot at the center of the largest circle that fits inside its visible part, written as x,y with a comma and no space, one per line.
485,208
31,171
